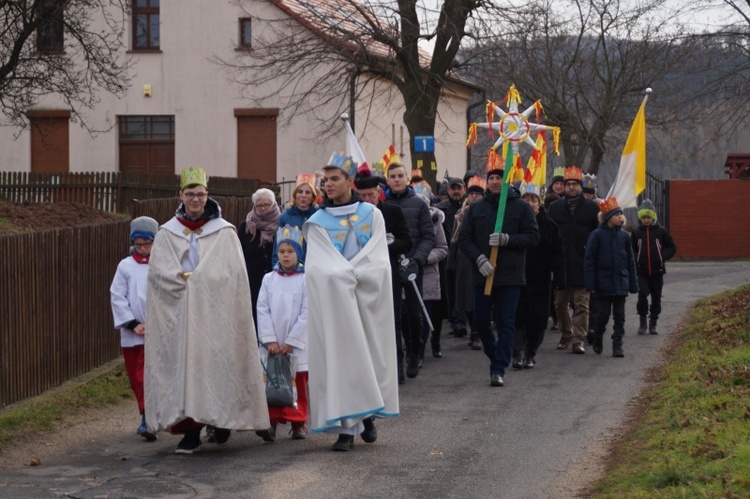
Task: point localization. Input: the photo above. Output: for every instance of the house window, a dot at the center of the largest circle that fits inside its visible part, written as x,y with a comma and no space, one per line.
147,144
246,33
49,34
145,24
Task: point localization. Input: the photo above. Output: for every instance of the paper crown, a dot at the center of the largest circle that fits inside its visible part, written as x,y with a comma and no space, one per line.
378,169
494,162
609,206
476,183
559,171
574,173
193,176
589,183
306,178
343,162
423,189
416,172
531,189
289,234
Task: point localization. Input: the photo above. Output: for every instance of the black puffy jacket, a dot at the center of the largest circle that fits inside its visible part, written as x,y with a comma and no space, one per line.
419,220
520,225
653,246
575,229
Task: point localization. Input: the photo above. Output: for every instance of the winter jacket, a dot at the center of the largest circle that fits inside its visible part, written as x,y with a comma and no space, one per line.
575,229
548,257
431,279
395,223
653,246
417,215
450,208
520,225
609,266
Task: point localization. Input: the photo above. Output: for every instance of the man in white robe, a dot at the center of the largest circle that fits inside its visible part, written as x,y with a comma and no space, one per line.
352,362
202,364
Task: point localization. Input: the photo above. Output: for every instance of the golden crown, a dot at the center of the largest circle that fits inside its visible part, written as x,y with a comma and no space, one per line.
477,181
573,173
609,204
193,176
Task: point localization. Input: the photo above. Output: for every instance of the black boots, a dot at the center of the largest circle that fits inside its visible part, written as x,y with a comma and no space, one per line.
652,327
598,343
617,347
642,327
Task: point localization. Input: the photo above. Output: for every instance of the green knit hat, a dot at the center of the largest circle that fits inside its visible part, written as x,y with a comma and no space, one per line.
647,209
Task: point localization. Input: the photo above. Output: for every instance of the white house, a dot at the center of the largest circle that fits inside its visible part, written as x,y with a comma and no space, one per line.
182,110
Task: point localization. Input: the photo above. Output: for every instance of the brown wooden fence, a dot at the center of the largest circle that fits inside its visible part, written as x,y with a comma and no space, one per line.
108,191
54,294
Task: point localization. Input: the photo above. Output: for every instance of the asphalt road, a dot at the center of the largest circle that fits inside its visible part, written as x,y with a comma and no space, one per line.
456,436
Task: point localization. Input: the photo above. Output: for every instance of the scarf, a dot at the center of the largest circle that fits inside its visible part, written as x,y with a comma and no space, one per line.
265,223
573,203
140,259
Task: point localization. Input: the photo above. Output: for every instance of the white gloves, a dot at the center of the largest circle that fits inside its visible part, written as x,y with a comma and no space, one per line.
389,238
499,239
484,265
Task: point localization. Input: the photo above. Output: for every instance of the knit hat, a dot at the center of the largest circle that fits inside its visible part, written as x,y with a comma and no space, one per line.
647,209
609,207
589,183
558,175
443,189
143,227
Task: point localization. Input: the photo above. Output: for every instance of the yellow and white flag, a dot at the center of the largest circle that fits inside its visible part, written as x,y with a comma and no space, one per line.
631,177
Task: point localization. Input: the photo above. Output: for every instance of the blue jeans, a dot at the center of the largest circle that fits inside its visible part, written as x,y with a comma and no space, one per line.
501,305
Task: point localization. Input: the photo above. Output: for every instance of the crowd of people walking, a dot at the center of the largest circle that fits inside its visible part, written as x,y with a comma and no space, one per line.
351,282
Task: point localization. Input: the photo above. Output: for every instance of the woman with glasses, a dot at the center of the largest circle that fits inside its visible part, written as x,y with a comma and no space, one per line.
256,235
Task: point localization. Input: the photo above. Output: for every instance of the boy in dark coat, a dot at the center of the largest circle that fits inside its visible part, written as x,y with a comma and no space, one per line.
545,260
609,273
653,246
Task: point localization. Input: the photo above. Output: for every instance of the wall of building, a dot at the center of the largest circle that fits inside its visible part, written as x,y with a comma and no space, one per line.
187,82
709,218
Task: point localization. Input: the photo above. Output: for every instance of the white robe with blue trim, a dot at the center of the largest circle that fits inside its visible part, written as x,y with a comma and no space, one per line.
352,341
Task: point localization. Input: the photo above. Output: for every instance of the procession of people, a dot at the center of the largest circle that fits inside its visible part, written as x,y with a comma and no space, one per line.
315,309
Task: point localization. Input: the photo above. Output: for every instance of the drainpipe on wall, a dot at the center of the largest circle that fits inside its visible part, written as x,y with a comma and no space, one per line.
353,94
481,102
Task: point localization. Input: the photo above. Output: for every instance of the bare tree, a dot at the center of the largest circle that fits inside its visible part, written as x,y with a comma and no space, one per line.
589,62
60,47
361,46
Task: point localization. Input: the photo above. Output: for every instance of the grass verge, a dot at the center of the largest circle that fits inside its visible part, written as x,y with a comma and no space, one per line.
104,386
690,436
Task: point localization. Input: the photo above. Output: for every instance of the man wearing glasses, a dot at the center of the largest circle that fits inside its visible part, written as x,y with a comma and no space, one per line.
576,217
201,340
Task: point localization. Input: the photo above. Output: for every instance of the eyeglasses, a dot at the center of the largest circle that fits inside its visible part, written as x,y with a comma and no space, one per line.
263,206
193,195
143,245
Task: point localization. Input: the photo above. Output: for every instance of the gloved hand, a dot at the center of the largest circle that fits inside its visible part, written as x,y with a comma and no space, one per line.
484,265
389,238
498,239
